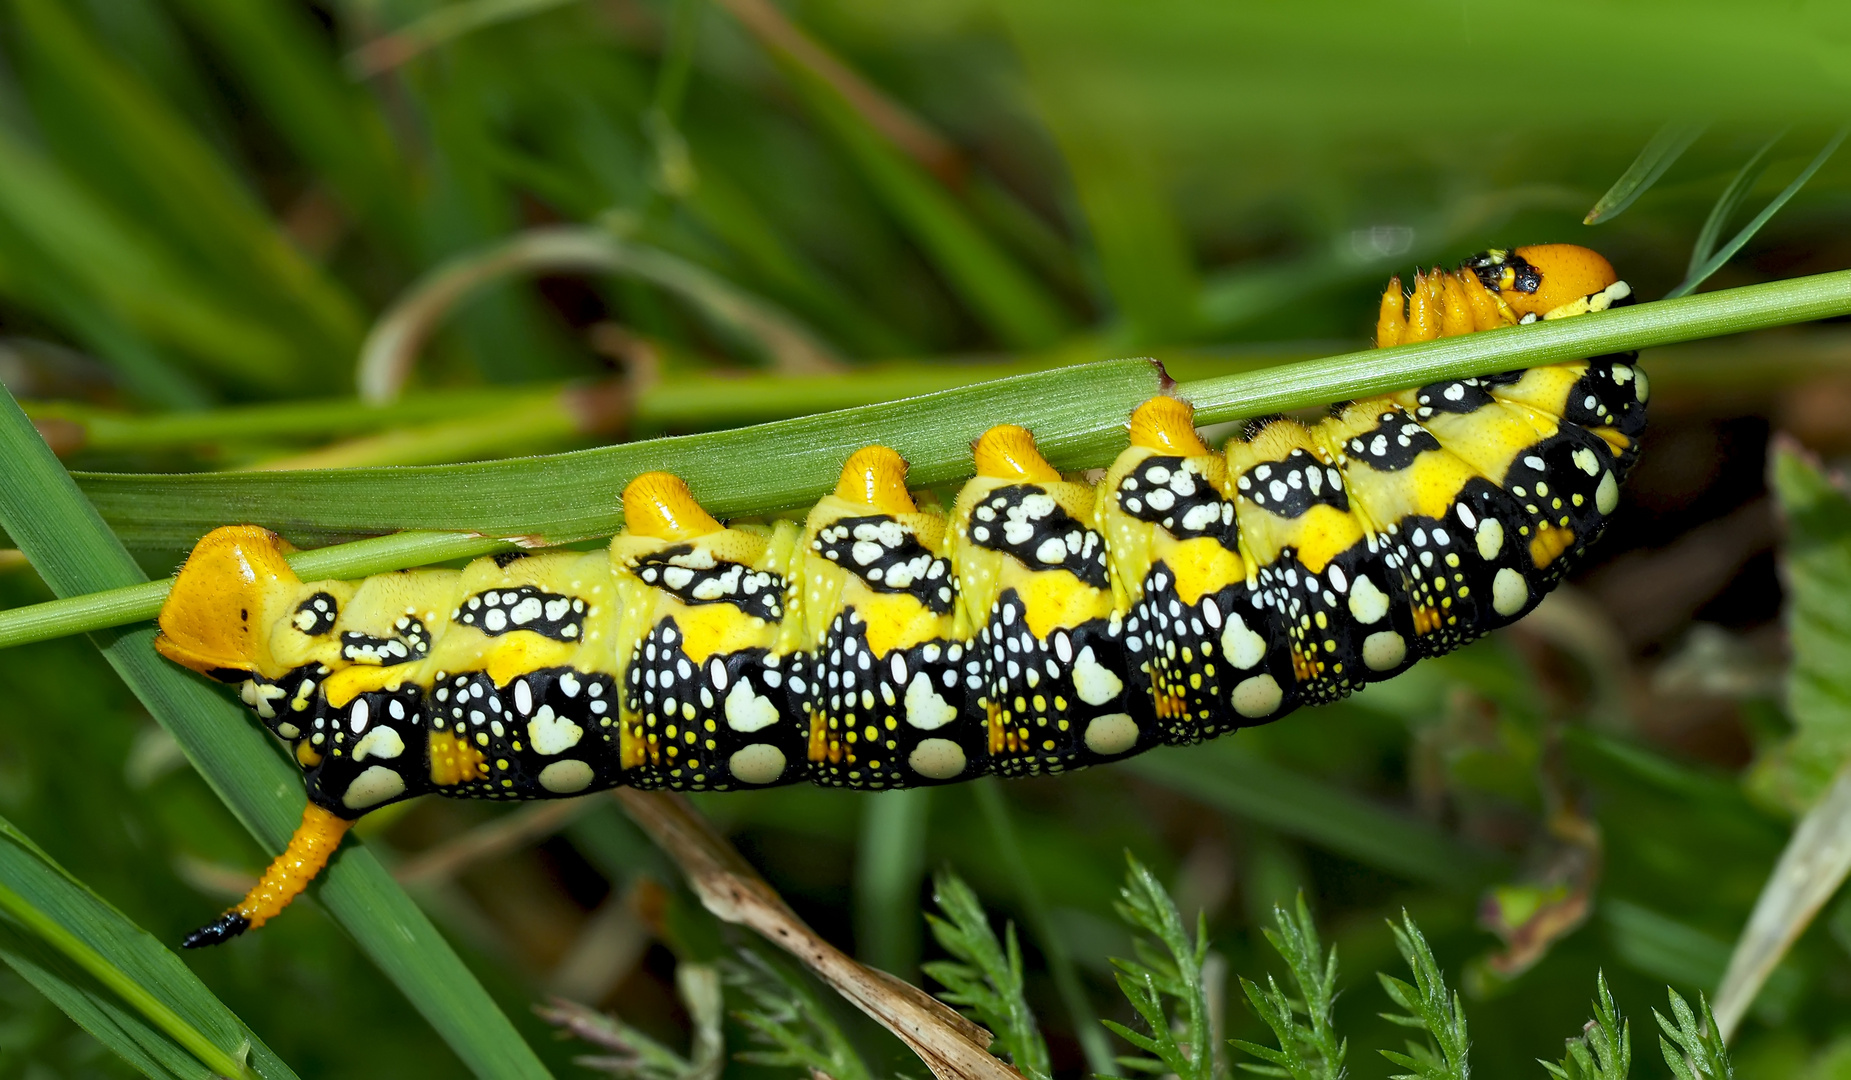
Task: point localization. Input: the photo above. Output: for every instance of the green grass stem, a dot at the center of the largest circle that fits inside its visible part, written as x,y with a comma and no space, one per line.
1077,414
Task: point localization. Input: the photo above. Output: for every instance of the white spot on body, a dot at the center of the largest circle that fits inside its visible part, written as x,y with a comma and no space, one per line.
1384,650
1509,592
372,787
1094,683
937,759
566,777
749,710
759,763
1367,602
381,742
1607,495
1258,696
1490,537
1242,647
1113,733
925,708
552,734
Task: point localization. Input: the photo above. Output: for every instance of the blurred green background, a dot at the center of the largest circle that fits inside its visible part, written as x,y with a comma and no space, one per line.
533,225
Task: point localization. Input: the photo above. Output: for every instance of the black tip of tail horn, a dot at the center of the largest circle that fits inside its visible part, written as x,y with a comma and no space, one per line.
218,931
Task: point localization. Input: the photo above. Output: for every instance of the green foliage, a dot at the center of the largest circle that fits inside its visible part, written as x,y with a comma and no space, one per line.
633,1054
985,976
1794,773
1429,1007
1167,969
1308,1050
84,955
1667,144
784,1014
1603,1050
1712,261
1692,1047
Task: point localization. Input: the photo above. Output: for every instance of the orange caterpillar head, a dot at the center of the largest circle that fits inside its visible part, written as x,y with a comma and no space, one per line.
1549,281
217,620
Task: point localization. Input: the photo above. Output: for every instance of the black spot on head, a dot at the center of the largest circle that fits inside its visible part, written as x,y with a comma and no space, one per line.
502,559
1490,266
244,614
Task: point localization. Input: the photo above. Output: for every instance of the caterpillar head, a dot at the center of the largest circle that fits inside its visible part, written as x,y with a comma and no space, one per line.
1549,281
217,620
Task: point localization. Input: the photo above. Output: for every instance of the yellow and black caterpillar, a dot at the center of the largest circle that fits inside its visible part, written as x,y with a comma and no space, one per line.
1044,624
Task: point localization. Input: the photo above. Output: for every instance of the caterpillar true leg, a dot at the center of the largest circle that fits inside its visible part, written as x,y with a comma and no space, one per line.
1043,624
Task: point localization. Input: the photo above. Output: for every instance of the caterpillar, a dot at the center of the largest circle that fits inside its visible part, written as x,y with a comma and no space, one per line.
1043,624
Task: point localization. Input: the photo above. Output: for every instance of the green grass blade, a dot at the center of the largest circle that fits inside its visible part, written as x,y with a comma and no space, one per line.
1002,295
889,867
1077,415
1228,778
202,202
1728,203
1080,1012
330,124
43,900
1727,251
74,552
122,268
96,1010
1666,146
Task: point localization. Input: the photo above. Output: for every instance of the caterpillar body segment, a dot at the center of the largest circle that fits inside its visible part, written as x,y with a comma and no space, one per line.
1042,624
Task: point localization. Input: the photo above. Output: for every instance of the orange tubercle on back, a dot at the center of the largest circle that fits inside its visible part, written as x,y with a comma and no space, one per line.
875,477
1007,452
660,506
1168,424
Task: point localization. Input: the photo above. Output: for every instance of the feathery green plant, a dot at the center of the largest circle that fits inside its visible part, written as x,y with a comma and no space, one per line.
1691,1044
1603,1050
985,975
1430,1007
1311,1049
790,1021
1168,968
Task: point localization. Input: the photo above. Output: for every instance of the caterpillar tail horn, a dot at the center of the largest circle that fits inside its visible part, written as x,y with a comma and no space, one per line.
308,851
